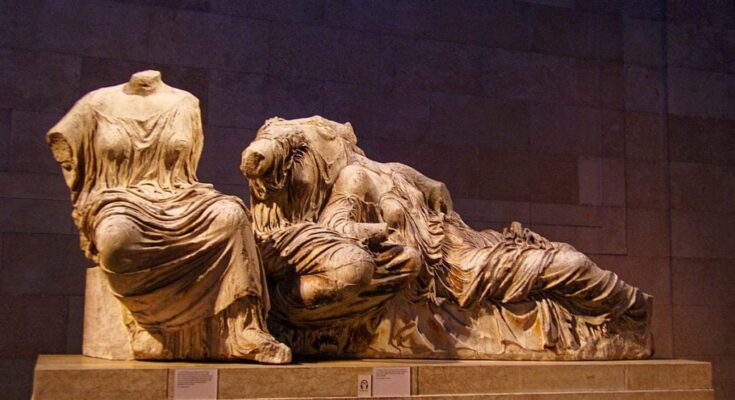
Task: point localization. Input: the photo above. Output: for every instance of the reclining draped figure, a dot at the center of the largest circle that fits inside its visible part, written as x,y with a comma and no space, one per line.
179,256
368,259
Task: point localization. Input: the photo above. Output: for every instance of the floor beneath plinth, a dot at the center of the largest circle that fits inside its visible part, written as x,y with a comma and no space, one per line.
79,377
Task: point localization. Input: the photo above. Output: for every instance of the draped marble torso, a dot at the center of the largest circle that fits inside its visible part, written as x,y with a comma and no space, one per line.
176,252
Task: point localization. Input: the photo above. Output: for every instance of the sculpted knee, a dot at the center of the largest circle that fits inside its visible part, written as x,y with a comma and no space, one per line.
342,279
356,274
575,260
114,238
351,267
228,215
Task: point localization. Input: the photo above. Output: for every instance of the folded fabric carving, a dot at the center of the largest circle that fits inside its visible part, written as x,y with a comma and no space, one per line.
178,255
369,259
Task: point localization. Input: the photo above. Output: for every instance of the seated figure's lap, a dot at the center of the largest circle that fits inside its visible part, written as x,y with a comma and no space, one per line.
349,272
344,274
118,238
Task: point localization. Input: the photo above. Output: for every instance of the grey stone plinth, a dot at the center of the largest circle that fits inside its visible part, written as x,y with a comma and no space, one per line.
79,377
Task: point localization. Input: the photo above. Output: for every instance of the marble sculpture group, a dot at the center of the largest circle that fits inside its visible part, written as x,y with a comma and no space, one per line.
338,255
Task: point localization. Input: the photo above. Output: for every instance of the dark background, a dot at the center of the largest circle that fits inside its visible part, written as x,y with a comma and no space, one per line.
607,124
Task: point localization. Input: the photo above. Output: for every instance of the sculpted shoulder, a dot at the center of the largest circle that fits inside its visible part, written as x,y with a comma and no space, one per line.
99,98
355,180
185,96
117,101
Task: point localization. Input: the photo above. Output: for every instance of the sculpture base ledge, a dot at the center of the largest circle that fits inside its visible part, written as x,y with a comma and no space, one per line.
79,377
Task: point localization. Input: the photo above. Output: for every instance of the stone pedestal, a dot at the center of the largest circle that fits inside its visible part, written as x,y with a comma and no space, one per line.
105,334
77,377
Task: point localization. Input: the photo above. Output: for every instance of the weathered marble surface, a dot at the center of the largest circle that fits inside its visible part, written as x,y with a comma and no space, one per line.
178,255
369,259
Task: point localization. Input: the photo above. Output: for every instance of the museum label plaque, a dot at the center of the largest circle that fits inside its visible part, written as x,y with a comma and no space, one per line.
200,384
389,382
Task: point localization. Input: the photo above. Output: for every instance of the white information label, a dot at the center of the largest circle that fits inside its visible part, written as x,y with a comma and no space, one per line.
199,384
389,382
364,385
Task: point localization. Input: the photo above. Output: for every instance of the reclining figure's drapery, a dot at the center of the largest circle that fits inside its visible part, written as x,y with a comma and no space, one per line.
368,259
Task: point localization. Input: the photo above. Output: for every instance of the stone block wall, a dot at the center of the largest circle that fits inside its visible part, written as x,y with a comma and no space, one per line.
604,123
701,140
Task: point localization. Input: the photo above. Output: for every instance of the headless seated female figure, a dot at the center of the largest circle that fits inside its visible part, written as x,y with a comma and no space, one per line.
177,254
